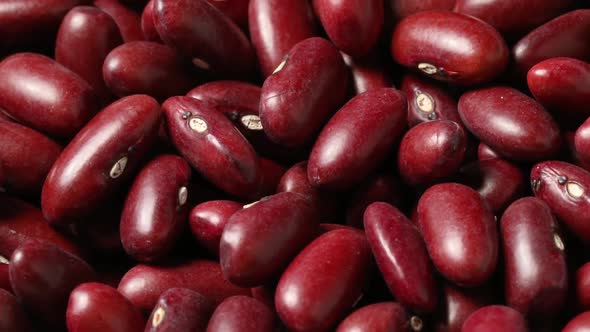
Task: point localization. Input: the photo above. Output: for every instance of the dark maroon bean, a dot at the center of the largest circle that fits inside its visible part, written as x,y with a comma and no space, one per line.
510,122
85,38
457,305
401,256
232,94
484,152
369,72
403,8
12,316
100,232
42,277
271,174
495,318
583,286
324,281
357,138
4,276
480,56
242,313
564,187
97,307
582,142
303,92
579,323
180,309
147,23
128,21
208,219
98,161
44,95
380,317
237,10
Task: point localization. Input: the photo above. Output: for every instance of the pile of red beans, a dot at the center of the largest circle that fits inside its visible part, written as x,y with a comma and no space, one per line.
294,165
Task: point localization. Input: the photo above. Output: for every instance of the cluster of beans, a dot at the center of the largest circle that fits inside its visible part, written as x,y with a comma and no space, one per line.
294,165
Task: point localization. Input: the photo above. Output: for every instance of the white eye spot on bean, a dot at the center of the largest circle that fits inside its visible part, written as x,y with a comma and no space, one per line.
416,323
249,205
574,189
200,63
425,102
182,195
252,122
427,68
280,66
118,168
158,317
197,124
558,242
3,260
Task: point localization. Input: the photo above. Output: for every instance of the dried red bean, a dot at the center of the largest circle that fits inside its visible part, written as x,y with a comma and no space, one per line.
242,313
208,219
582,142
237,10
495,318
180,309
579,323
458,304
232,94
369,72
12,316
147,23
127,20
380,317
583,286
403,8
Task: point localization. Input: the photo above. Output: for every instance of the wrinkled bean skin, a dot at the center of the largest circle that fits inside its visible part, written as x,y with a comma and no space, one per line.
155,210
403,8
579,323
208,219
44,95
459,232
495,318
213,145
484,152
237,10
97,307
324,281
299,98
85,38
198,30
128,21
259,241
378,317
12,316
536,271
401,256
42,277
147,23
419,42
242,313
357,138
511,123
458,305
369,72
180,309
100,159
143,284
564,187
583,286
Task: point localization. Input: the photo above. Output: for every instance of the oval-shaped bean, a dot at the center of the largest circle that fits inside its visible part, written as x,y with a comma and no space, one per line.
369,72
147,23
242,313
202,276
324,281
44,95
457,305
380,317
97,307
207,221
303,92
495,318
85,38
233,94
510,122
583,286
401,256
180,309
403,8
127,20
564,187
211,144
484,152
259,241
42,277
100,159
12,316
477,55
579,323
460,233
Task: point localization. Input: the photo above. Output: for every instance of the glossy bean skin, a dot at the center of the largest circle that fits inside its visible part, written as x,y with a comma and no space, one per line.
403,8
299,97
155,209
26,157
242,313
377,317
180,309
401,256
102,156
208,219
12,316
237,10
369,72
579,323
276,26
198,30
85,38
428,102
211,144
42,277
128,21
235,94
259,241
357,138
484,152
536,271
583,286
458,304
202,276
323,282
419,43
495,318
564,187
98,307
511,123
147,23
44,95
582,142
453,213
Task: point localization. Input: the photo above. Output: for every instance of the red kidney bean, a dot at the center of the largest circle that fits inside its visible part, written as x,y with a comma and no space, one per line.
401,256
180,309
369,72
242,313
42,277
564,36
531,134
237,10
357,138
211,144
202,276
97,307
128,21
44,95
303,92
26,157
324,281
582,142
477,55
484,152
583,286
403,8
233,94
100,159
208,219
460,233
259,241
579,323
198,30
4,276
147,23
564,187
457,305
495,318
380,317
12,316
276,26
85,38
